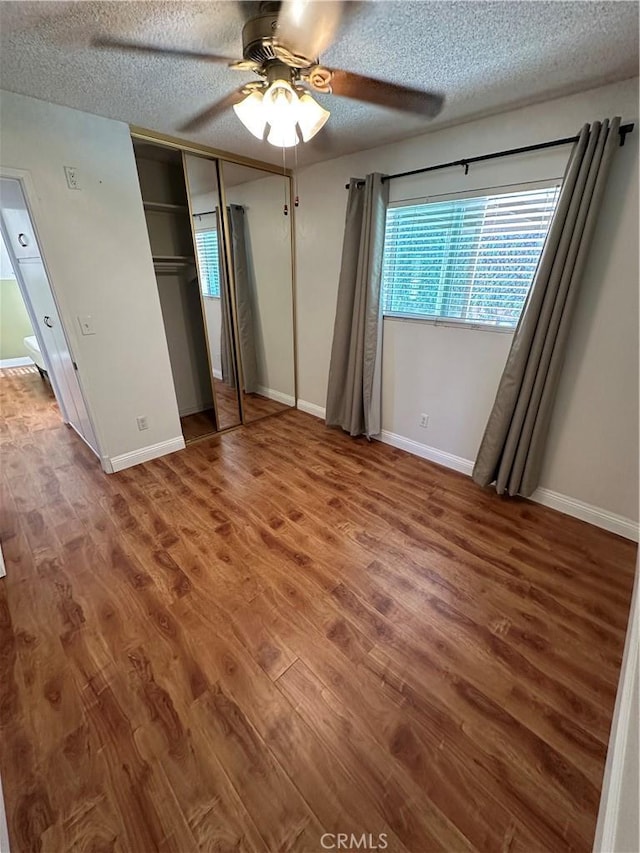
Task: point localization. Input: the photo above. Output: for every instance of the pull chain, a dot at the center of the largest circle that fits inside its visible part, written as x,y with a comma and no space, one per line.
284,175
296,200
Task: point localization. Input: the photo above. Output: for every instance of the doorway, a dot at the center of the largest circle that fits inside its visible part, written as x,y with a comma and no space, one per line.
46,349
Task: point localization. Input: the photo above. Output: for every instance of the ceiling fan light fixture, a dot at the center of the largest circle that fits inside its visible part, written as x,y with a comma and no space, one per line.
311,116
250,111
281,105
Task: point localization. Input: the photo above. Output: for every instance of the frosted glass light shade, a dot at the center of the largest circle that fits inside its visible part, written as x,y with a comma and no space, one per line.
281,114
311,116
283,136
251,113
280,103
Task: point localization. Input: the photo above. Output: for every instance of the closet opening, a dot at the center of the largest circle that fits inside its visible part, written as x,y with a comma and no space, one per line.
166,206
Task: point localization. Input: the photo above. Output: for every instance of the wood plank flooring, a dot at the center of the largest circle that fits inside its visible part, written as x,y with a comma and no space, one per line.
282,632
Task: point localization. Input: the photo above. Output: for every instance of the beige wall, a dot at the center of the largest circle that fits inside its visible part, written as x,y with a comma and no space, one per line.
95,244
452,374
14,320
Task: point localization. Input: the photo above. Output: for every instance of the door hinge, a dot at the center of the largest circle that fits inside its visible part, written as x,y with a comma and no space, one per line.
75,366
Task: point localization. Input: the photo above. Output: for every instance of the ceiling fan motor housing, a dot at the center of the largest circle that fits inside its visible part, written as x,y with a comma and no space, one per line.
257,37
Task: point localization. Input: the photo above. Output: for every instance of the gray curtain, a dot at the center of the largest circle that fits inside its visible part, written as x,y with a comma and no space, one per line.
226,334
244,302
244,297
511,451
354,391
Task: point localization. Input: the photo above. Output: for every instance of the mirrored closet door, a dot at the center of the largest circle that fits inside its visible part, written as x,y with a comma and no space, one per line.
222,253
215,287
262,284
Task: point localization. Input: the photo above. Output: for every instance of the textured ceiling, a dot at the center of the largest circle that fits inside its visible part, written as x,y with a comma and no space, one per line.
485,57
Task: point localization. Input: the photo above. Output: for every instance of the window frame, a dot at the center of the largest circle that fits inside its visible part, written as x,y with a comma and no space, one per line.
480,192
207,230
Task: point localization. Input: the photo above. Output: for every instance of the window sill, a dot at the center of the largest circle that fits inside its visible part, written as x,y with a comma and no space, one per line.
208,296
453,323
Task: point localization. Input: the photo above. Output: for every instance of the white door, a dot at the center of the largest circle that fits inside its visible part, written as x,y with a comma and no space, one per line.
21,239
36,291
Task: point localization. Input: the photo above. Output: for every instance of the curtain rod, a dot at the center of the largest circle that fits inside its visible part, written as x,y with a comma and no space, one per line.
622,130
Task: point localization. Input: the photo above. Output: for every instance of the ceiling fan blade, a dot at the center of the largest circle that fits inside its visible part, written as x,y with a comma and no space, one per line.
136,47
308,27
212,111
384,94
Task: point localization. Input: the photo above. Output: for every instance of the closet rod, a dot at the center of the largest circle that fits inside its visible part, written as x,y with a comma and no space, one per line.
204,213
466,161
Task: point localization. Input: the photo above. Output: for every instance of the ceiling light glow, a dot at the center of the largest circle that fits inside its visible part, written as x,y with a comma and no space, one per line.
287,115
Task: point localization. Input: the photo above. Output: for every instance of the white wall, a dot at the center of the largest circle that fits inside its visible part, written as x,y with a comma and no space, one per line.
452,374
95,244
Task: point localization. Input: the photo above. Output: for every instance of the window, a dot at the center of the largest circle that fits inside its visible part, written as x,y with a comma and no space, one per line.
466,259
208,261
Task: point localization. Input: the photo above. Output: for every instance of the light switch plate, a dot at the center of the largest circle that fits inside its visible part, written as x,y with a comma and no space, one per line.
86,324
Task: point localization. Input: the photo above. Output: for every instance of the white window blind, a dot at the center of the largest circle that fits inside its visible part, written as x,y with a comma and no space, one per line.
208,261
465,259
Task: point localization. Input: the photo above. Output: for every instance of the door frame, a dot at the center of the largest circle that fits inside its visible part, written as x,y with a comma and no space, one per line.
24,178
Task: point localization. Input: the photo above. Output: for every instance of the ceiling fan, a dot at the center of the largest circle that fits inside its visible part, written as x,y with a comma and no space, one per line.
281,44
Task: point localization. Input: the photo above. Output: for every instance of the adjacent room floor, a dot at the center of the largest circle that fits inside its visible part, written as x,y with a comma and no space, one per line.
282,632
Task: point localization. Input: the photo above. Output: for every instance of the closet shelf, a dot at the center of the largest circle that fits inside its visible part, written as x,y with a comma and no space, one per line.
163,207
174,259
172,263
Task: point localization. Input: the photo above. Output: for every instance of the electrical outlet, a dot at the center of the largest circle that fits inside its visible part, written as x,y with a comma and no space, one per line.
143,422
71,174
424,420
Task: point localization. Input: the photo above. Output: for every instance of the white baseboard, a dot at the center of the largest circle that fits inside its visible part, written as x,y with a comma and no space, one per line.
587,512
426,452
618,803
22,361
312,409
217,374
127,460
278,396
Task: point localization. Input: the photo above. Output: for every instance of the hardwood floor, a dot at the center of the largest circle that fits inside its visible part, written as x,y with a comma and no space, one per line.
282,632
256,406
201,424
198,425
